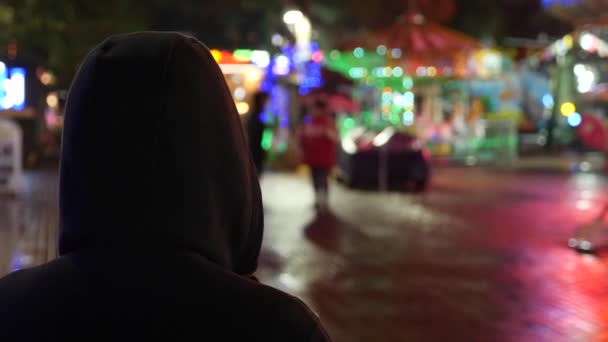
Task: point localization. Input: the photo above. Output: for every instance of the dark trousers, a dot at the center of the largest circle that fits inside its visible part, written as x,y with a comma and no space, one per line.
319,178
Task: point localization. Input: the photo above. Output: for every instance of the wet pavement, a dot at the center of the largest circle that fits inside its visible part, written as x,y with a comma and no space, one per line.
481,256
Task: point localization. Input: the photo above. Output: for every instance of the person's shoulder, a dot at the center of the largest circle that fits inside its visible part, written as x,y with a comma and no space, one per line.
18,291
22,283
18,281
296,316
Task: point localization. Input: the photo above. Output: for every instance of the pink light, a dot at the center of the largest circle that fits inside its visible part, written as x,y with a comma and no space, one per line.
317,56
51,119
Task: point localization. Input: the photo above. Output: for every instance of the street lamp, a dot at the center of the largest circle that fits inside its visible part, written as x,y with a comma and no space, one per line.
292,17
299,25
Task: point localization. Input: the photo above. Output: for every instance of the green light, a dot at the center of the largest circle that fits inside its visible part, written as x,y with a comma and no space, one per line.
408,83
349,123
367,117
394,118
242,55
359,52
267,139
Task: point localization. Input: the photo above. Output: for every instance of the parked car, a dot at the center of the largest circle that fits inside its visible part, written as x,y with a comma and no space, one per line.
386,159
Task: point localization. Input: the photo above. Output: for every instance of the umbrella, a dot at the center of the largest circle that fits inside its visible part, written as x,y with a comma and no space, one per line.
592,132
337,102
416,42
417,37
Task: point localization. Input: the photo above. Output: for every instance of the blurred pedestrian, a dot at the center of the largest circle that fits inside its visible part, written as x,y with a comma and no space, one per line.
160,225
255,130
318,141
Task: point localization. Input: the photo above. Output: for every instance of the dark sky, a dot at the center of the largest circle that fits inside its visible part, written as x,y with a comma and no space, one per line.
506,18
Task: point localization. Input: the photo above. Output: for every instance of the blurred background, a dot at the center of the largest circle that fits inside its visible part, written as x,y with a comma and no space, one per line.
470,162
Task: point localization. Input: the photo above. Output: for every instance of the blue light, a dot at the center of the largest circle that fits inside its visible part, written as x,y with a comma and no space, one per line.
312,73
12,90
575,119
266,117
358,52
550,3
548,101
408,118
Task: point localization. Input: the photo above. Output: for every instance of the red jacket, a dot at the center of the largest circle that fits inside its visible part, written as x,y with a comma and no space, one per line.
318,140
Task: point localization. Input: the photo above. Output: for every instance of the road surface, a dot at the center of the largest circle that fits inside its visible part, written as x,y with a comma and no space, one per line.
481,256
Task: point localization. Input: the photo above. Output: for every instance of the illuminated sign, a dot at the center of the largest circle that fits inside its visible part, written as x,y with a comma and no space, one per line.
12,88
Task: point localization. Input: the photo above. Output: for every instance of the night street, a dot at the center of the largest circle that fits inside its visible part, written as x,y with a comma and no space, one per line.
481,256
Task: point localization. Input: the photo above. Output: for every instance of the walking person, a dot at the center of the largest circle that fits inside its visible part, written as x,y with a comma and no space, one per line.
318,141
161,223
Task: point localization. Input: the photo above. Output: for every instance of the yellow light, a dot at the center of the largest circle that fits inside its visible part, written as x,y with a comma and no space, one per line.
431,71
567,108
242,107
217,55
568,41
253,75
47,78
52,100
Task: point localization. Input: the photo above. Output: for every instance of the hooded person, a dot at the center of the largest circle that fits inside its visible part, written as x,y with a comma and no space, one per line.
160,210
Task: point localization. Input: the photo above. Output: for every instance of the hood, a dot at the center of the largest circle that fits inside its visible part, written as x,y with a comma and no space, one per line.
154,156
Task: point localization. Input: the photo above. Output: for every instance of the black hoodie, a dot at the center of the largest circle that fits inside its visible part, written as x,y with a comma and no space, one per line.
161,212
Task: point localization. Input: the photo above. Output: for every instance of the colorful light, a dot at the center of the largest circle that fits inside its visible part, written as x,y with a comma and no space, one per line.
253,75
383,137
52,100
568,41
47,78
396,53
292,17
357,72
408,118
217,55
349,123
397,72
386,71
277,40
394,118
589,42
334,54
240,93
358,52
567,108
267,138
408,99
585,77
575,119
242,55
242,107
431,71
381,50
408,83
281,65
548,101
12,90
317,56
260,58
